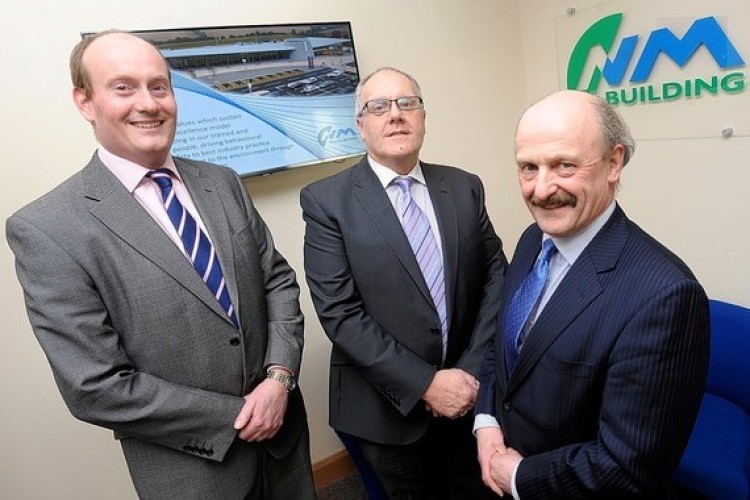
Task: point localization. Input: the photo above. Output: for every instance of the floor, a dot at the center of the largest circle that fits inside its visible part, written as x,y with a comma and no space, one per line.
347,488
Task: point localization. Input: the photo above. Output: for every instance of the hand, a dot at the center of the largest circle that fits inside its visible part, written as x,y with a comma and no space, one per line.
263,412
502,466
490,442
451,393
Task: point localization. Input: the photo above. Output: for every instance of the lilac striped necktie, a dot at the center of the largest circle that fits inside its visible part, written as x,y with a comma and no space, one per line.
422,241
196,243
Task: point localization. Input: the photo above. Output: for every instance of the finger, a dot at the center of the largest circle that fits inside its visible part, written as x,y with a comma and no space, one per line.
246,413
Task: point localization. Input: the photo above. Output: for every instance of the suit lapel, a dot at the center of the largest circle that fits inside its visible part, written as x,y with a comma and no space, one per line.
206,199
445,211
580,286
123,215
376,204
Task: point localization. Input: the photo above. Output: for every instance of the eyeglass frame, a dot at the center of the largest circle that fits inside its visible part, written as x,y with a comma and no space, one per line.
390,104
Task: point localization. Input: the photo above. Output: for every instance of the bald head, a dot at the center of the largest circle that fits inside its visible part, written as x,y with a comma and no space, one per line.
570,150
582,113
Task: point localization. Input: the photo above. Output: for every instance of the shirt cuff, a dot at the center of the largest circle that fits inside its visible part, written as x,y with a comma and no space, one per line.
280,367
513,490
482,420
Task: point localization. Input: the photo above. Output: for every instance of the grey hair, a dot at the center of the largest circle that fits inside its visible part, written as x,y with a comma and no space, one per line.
357,93
614,129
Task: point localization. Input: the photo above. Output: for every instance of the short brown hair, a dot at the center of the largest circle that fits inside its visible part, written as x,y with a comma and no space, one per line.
79,75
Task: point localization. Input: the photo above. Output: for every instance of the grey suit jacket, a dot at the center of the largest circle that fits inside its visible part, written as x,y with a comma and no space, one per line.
136,341
375,307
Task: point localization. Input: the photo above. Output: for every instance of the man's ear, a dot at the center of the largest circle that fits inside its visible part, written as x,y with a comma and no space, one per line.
616,163
83,103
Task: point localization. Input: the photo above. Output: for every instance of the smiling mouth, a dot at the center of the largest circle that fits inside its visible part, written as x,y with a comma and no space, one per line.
148,125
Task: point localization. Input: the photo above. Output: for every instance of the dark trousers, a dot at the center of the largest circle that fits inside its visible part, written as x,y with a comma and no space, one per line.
289,478
441,465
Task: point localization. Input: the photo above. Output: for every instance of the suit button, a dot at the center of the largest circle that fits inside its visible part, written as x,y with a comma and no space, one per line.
234,341
436,331
507,406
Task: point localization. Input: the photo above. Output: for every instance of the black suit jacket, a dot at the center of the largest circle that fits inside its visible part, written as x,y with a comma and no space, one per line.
611,376
375,307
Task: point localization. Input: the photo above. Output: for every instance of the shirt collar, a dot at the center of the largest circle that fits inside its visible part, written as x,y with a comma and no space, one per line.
386,175
129,173
571,247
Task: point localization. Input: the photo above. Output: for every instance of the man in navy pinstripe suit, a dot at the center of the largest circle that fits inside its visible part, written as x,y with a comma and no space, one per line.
613,359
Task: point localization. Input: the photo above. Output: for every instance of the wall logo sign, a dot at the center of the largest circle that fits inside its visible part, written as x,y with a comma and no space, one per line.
644,53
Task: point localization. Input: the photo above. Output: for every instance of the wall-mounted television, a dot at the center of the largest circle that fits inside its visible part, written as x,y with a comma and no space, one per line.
263,98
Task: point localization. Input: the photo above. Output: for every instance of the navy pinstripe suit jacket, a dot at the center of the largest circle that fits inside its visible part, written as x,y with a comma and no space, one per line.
611,376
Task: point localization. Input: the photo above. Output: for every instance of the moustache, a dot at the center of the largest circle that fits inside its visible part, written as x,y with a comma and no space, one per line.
557,200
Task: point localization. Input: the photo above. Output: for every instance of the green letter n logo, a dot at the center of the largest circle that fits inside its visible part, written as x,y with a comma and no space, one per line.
705,32
600,34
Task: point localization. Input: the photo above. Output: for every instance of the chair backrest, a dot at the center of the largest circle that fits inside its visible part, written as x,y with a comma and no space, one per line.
729,369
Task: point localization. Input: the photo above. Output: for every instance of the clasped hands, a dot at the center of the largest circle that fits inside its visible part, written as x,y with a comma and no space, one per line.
263,412
451,393
496,460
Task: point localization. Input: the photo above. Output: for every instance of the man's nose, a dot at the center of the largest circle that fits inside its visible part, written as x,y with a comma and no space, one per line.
546,184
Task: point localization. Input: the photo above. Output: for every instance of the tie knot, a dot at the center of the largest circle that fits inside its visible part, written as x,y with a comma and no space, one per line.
404,183
162,177
548,250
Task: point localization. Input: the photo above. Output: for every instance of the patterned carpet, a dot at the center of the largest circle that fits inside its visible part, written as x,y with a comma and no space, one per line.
348,488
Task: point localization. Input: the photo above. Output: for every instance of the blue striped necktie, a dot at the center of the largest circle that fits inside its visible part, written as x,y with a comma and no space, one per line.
196,243
422,241
523,302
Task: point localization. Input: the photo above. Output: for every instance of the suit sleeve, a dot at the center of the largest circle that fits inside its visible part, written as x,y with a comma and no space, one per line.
98,382
473,357
285,319
651,396
382,360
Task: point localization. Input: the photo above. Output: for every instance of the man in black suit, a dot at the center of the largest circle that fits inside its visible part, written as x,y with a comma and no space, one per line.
595,394
407,345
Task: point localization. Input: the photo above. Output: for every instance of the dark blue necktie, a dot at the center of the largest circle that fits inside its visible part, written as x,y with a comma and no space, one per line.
196,243
523,302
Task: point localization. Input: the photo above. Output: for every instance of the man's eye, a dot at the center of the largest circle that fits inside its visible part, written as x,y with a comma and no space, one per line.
123,88
160,89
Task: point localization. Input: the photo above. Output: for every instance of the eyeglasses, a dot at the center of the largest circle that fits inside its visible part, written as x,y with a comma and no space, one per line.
380,106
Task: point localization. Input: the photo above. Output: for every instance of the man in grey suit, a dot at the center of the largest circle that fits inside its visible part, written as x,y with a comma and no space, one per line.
593,391
194,377
408,319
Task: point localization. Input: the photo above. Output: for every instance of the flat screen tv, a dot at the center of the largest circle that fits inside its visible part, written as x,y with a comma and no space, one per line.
263,98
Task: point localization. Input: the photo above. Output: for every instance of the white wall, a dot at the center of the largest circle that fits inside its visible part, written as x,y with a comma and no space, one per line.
466,56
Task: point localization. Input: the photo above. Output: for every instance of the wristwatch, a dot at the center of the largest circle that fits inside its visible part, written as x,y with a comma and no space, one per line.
289,381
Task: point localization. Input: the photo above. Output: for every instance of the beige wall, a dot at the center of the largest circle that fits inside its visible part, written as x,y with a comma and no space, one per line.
466,57
479,62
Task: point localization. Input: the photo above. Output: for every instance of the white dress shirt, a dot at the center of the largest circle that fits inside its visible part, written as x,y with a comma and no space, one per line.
418,190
